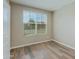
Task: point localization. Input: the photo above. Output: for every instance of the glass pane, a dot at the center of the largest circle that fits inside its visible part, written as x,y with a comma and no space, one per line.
29,29
41,24
44,19
38,18
32,17
25,17
29,22
41,28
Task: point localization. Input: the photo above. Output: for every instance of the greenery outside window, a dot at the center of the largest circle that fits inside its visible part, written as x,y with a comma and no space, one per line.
34,23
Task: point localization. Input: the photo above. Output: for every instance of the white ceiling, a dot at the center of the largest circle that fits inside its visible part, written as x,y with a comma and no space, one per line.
45,4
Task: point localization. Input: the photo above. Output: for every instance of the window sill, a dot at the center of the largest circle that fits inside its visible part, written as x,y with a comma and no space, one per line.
32,35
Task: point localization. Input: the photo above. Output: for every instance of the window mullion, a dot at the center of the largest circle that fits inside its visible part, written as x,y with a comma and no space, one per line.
35,26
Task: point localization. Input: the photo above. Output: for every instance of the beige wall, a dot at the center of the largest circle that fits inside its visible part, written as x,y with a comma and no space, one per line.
64,25
17,28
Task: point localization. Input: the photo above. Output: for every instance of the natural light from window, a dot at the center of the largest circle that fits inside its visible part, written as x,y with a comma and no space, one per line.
34,23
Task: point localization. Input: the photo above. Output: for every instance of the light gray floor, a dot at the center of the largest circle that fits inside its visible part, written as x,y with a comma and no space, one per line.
48,50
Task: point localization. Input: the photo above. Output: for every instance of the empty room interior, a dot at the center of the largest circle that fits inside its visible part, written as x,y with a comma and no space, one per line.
41,29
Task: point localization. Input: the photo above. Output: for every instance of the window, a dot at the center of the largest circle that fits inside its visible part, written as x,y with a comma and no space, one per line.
34,23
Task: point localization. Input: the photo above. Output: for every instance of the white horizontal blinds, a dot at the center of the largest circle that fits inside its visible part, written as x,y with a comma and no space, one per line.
34,22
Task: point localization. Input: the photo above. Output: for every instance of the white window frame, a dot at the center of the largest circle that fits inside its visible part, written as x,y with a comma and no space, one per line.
36,33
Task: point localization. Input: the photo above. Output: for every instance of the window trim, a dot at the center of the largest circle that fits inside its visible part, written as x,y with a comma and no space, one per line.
36,33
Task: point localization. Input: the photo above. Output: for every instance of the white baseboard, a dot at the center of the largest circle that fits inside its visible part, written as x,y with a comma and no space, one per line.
63,44
42,42
29,44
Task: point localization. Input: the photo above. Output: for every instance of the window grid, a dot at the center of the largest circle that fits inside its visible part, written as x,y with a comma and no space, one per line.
42,17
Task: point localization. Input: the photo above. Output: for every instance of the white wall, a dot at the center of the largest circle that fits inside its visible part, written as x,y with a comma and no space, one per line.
17,28
6,29
64,25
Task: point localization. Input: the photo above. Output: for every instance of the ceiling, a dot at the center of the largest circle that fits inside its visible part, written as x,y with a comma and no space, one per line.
50,5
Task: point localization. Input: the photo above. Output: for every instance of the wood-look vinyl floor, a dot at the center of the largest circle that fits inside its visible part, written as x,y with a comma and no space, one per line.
48,50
